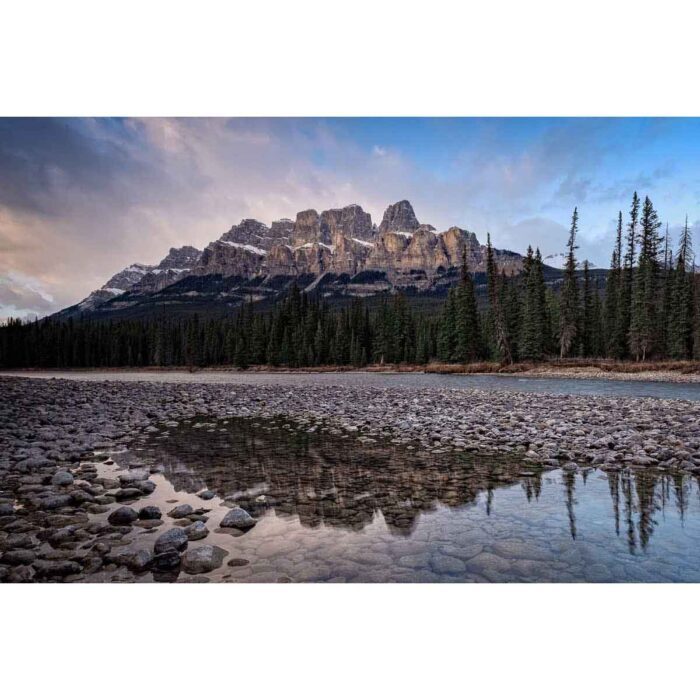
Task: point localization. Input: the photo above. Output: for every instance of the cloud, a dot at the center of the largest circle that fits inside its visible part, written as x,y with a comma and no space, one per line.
82,198
23,297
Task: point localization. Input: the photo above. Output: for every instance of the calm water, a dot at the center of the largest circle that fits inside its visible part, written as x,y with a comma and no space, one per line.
331,508
592,387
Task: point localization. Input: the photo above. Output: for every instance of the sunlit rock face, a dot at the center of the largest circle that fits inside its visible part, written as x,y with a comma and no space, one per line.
399,217
341,245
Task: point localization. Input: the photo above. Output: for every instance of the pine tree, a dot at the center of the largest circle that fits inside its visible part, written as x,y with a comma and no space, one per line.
468,332
588,315
447,335
625,304
542,305
644,323
532,331
497,317
612,317
680,335
568,308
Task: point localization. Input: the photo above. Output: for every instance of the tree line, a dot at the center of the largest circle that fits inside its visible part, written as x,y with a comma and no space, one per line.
648,307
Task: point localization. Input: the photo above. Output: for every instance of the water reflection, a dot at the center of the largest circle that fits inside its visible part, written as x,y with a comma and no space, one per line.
328,479
335,480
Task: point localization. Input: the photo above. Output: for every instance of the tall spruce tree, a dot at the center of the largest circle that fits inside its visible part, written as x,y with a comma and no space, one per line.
680,326
644,331
497,315
625,305
532,332
588,314
468,333
569,302
447,335
614,333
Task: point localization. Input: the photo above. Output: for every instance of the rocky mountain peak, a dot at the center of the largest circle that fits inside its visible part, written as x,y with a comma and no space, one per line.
399,217
307,228
282,230
248,232
183,258
349,222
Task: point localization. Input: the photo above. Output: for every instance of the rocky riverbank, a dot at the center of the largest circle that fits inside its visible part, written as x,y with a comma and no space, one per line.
62,517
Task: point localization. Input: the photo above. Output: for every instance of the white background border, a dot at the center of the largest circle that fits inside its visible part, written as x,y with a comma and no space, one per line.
350,59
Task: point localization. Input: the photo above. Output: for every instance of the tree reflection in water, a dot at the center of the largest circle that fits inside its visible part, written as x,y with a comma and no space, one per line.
336,480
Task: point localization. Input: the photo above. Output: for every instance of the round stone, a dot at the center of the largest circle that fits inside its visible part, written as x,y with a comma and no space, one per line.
123,516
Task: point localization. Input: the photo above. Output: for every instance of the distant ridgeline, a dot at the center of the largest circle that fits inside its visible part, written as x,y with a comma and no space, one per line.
336,254
647,306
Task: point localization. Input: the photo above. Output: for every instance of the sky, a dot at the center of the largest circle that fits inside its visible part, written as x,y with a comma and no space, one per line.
82,198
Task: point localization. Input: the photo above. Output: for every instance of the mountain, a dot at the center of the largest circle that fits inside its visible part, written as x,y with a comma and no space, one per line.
144,278
338,252
558,262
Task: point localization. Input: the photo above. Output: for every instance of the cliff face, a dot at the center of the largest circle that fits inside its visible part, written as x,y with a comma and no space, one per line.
344,241
341,247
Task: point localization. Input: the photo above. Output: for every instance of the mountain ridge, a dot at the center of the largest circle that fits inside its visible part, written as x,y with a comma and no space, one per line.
336,251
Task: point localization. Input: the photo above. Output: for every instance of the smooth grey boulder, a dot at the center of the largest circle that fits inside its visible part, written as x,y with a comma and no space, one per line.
62,479
238,518
197,531
123,516
181,511
203,559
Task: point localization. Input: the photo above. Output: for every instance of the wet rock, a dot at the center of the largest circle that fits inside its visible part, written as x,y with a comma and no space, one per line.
175,538
145,487
206,495
17,557
128,494
197,531
123,516
55,502
62,479
181,511
56,569
203,559
20,540
237,561
239,519
443,564
150,513
63,534
135,560
166,560
34,463
133,475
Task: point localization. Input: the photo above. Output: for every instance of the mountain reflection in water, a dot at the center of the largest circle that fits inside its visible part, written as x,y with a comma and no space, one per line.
336,480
